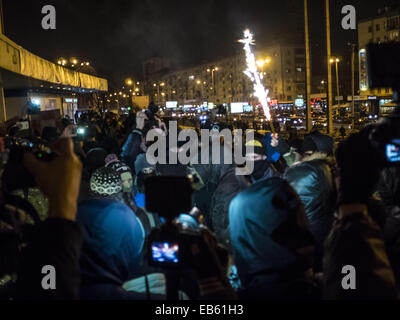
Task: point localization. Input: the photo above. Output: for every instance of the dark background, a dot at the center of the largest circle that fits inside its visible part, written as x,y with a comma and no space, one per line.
117,35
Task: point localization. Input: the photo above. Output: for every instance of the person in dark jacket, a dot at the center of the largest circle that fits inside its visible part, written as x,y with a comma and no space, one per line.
317,142
263,168
135,143
111,253
356,265
272,245
388,193
58,240
313,181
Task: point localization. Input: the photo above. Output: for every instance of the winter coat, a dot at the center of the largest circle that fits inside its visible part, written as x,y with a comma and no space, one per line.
272,245
221,185
111,253
55,242
313,181
356,241
388,191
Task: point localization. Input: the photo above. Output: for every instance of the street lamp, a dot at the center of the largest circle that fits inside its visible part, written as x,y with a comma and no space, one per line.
336,61
260,63
213,78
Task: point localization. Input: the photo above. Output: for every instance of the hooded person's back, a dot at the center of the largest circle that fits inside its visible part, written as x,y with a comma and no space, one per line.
111,253
272,245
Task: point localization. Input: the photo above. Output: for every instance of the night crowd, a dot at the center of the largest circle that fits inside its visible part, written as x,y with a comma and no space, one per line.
286,231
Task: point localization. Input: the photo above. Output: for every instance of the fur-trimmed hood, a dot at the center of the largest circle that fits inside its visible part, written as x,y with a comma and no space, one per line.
330,160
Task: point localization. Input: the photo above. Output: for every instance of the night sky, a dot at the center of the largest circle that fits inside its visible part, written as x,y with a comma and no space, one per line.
117,35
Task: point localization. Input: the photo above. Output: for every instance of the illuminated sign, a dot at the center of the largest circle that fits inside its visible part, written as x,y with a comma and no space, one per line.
171,104
299,102
237,107
248,108
363,70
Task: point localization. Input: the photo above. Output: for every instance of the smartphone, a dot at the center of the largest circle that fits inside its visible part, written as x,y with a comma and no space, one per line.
165,252
393,151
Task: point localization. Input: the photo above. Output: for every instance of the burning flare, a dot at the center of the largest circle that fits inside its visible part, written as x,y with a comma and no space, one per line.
259,91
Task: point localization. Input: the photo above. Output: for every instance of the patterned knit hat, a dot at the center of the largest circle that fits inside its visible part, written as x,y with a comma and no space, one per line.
124,172
105,182
110,159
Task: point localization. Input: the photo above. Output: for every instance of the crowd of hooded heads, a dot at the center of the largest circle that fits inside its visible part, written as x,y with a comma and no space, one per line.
273,223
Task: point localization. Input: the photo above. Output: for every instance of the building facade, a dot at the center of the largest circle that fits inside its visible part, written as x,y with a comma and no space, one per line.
223,81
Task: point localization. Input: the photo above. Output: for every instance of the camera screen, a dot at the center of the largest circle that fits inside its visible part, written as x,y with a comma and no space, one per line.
81,131
165,252
393,151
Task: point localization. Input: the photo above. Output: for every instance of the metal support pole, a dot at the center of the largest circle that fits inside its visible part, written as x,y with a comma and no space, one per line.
353,81
3,112
328,41
308,70
337,83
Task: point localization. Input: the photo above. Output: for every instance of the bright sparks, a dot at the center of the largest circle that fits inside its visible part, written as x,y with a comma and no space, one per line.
259,91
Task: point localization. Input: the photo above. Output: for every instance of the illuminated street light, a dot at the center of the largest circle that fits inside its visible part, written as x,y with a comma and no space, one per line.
198,81
260,63
336,61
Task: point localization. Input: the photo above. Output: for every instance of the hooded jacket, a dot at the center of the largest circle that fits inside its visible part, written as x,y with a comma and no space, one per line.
111,253
272,245
312,179
221,185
